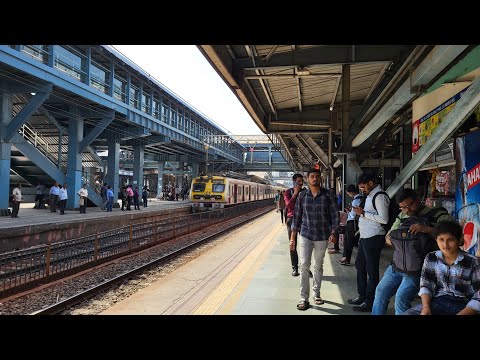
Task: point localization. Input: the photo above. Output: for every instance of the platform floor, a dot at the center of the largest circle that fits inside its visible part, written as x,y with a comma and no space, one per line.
247,274
28,216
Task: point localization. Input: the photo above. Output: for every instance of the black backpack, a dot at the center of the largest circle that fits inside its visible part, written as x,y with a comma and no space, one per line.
409,250
393,210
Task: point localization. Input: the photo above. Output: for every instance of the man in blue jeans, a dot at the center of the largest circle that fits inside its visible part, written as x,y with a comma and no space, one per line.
396,282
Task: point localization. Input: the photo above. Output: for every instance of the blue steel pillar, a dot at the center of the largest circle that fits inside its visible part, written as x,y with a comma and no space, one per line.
194,170
74,162
161,166
5,148
138,153
113,165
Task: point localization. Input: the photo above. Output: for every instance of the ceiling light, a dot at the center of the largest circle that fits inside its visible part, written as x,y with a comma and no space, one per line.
303,71
331,107
33,94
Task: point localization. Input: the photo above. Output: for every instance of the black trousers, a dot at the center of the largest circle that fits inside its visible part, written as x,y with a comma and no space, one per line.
293,253
15,208
348,239
367,264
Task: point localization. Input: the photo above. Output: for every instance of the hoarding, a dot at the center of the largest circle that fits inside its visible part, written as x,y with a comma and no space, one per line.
467,196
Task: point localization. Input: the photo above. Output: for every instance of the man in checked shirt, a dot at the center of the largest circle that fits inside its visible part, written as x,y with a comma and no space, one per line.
316,219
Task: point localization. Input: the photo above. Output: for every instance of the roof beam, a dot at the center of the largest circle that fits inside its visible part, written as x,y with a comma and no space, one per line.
291,76
326,55
271,52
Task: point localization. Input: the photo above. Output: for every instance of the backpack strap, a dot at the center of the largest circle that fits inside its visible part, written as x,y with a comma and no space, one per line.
374,196
434,214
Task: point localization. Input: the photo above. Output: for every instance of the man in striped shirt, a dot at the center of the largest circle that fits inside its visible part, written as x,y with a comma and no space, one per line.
316,218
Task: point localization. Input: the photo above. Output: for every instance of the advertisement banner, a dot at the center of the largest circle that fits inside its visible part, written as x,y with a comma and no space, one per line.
467,196
424,127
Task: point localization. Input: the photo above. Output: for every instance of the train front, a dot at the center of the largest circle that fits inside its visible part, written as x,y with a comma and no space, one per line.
208,193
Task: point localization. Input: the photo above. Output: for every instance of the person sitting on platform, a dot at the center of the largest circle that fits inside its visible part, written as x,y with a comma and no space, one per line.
450,281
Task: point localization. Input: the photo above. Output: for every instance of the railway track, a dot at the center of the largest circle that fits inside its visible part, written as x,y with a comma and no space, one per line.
82,296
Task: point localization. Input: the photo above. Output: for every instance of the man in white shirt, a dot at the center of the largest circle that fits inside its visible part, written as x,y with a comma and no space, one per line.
17,198
83,193
371,243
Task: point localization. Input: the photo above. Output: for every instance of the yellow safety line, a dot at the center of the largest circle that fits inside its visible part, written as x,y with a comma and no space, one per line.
224,289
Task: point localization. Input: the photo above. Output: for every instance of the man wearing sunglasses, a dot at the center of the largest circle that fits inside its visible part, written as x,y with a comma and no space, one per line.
405,285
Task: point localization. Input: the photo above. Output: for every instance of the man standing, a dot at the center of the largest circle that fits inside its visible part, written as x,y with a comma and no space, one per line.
83,193
40,189
63,196
372,240
17,198
352,224
397,281
316,217
54,193
103,194
290,197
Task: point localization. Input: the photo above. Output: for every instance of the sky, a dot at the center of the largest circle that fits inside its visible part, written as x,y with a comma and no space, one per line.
185,71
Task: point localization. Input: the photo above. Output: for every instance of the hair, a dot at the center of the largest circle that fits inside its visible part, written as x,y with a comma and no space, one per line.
352,188
366,177
404,194
297,175
449,227
313,170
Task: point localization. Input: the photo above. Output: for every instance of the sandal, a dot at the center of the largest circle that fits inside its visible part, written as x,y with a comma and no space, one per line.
303,305
319,301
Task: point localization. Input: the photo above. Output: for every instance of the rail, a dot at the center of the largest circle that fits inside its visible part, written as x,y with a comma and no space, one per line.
20,270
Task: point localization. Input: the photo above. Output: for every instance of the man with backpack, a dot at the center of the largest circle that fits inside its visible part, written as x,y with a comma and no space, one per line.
372,240
411,238
352,224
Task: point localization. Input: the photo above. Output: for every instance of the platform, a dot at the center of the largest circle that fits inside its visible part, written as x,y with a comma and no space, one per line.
248,273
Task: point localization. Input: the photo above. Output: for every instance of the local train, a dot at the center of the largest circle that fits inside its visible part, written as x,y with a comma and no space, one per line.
214,192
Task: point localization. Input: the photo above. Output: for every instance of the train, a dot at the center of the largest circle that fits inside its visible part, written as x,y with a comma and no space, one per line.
217,192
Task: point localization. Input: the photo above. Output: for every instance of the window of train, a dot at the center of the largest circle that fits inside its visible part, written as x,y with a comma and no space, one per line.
218,188
199,187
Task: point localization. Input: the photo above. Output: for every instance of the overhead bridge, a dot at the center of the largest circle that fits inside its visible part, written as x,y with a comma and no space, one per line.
63,105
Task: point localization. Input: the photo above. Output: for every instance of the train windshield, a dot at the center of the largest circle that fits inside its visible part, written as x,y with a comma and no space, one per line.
218,188
199,187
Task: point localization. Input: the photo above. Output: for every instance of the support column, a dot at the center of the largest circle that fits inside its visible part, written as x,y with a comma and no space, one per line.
161,166
138,157
195,167
350,176
74,162
113,167
5,148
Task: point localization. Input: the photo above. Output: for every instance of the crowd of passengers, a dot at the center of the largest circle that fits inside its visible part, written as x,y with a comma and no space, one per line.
428,260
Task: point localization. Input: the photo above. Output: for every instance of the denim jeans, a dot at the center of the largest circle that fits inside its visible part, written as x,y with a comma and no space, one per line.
403,286
441,305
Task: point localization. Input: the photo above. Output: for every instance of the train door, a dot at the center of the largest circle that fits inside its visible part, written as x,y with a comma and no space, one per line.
235,193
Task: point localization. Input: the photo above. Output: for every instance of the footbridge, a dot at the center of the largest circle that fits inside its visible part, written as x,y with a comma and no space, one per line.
75,113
